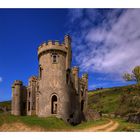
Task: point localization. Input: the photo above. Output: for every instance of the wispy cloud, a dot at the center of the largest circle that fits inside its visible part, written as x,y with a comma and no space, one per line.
106,41
1,79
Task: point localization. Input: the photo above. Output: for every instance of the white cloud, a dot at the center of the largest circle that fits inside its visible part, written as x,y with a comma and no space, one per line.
115,50
1,79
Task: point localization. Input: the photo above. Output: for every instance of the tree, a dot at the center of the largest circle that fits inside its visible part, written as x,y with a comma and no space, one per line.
135,76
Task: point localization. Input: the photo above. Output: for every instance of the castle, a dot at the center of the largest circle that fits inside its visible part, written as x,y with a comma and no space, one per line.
57,90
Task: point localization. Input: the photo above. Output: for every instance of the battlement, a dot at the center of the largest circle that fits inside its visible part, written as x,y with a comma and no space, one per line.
33,78
52,45
85,75
18,82
75,68
55,45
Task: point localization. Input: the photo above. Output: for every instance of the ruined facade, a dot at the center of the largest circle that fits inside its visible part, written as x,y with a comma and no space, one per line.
57,90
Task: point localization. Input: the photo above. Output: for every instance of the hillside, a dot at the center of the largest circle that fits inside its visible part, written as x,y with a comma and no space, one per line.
120,101
5,106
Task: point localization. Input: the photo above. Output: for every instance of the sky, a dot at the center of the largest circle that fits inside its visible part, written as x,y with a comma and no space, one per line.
105,43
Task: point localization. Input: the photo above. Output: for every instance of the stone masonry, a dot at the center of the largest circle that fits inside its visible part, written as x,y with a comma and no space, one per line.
57,90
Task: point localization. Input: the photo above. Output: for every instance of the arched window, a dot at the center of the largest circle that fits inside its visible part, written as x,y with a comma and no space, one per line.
54,104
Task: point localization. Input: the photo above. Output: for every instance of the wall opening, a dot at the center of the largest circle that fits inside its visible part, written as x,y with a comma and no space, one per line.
24,105
67,78
82,92
54,56
40,71
28,106
29,94
54,104
82,105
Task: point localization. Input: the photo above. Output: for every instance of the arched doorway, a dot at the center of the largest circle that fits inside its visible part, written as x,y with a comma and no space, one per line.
54,104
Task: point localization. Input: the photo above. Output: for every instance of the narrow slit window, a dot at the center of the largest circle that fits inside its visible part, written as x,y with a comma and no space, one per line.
40,71
54,58
28,106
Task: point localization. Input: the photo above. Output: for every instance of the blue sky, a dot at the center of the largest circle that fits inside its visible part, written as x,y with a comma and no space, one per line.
106,43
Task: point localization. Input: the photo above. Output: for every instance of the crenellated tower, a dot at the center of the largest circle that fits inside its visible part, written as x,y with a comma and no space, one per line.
18,98
54,60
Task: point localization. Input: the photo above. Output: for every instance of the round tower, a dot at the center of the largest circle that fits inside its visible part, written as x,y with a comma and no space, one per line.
16,97
53,91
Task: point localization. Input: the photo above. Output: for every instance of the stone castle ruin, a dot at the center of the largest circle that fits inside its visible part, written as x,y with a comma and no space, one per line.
57,90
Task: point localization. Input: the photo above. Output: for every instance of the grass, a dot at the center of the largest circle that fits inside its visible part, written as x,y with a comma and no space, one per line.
49,123
6,118
105,101
127,126
91,123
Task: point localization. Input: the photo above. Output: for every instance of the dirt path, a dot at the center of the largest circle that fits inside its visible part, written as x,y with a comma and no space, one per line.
109,127
20,127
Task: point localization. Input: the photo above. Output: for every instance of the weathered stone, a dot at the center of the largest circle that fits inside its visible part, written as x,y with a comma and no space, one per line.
57,90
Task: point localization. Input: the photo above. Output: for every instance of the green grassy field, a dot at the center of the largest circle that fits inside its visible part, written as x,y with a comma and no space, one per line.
49,123
105,100
126,126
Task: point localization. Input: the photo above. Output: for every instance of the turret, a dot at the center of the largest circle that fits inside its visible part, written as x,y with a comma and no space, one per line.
31,95
16,97
13,99
75,73
85,78
67,42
